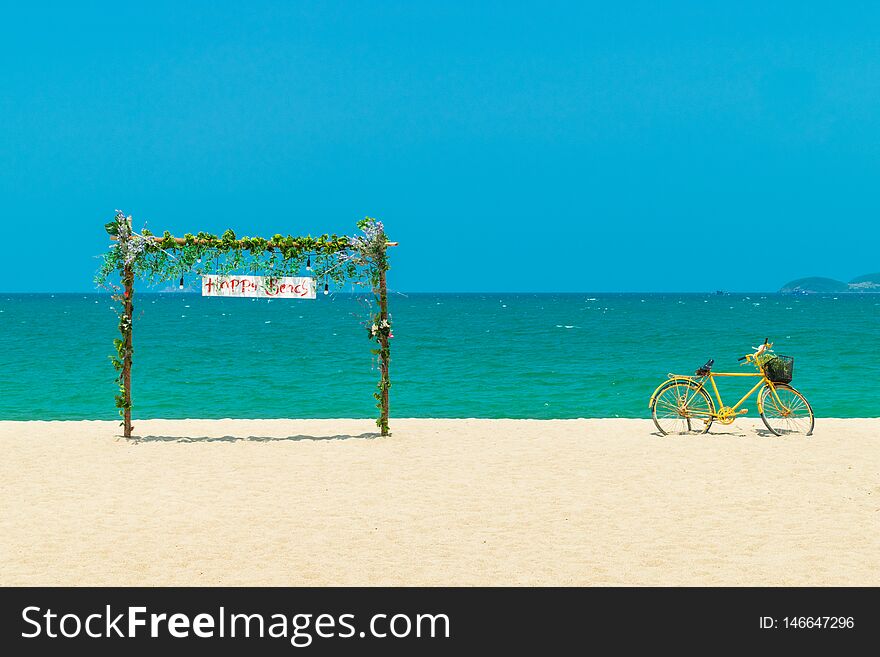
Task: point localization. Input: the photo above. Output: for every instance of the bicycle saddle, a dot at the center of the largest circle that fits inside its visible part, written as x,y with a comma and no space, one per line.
705,369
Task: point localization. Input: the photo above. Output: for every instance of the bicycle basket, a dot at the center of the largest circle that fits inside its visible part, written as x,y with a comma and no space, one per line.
779,369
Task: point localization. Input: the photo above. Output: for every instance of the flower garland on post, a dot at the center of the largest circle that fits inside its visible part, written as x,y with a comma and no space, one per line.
362,260
373,248
128,251
126,351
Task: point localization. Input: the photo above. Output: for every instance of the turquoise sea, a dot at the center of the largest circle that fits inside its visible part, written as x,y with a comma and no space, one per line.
454,355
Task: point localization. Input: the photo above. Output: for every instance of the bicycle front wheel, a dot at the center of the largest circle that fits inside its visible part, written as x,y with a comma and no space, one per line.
785,410
682,407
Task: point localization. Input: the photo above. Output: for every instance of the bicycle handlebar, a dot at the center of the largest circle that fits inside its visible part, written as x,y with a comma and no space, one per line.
758,350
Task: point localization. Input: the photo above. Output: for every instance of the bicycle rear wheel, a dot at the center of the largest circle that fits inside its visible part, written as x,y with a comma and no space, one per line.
682,407
787,411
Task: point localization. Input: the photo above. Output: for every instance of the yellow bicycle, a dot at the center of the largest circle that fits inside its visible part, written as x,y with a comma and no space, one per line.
682,404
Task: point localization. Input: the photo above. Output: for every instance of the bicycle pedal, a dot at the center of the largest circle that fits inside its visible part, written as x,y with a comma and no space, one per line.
744,411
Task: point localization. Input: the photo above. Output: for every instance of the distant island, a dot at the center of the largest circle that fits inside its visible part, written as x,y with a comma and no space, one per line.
820,285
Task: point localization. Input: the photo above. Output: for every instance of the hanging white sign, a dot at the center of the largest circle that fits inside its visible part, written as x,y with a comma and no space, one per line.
283,287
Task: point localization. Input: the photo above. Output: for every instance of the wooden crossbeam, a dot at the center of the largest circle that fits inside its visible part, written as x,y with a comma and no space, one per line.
182,241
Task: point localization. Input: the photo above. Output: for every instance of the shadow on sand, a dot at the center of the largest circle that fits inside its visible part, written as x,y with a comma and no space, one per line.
715,432
254,439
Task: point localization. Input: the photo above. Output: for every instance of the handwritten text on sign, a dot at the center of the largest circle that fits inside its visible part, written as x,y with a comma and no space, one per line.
284,287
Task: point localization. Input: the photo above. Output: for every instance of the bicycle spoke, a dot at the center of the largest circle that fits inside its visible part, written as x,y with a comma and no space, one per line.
797,404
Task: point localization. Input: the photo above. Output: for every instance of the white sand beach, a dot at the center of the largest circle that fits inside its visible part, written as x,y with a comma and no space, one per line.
441,502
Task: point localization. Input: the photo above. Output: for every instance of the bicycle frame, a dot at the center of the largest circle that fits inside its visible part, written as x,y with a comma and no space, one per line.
701,384
763,381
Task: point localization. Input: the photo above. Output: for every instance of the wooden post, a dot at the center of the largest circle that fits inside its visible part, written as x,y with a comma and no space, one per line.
385,352
128,313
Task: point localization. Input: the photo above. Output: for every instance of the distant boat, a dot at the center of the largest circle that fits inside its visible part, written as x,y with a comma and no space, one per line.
720,293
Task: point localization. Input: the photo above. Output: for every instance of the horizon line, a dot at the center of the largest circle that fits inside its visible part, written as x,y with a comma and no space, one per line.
398,292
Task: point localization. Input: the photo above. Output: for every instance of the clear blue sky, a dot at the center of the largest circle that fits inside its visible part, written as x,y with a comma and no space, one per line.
508,146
